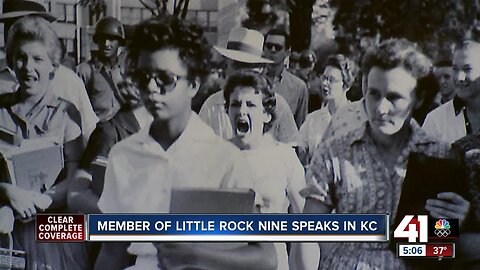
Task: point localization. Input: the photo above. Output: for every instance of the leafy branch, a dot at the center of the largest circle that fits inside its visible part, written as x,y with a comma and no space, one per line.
156,7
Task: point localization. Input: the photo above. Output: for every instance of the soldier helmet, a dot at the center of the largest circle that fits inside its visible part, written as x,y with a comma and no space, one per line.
109,27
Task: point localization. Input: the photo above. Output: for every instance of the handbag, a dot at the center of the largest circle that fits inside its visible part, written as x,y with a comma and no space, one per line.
11,258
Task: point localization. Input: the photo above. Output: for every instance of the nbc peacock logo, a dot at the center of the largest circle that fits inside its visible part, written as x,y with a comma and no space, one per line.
442,228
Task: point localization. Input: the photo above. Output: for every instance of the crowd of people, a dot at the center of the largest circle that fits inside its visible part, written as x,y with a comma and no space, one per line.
277,123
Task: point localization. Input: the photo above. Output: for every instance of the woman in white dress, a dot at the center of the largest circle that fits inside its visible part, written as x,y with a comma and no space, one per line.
278,174
336,81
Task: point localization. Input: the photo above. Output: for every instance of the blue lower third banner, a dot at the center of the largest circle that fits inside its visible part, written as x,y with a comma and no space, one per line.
232,228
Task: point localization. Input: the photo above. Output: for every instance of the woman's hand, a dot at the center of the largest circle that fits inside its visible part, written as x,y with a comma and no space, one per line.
26,202
448,205
7,219
42,201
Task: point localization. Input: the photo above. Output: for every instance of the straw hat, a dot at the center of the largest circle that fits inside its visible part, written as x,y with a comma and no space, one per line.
14,9
244,45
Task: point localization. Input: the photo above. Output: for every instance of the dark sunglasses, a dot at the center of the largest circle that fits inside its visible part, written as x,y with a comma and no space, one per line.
273,46
165,80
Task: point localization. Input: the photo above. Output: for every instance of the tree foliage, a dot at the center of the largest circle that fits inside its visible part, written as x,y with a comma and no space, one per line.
430,23
300,23
262,16
156,7
96,9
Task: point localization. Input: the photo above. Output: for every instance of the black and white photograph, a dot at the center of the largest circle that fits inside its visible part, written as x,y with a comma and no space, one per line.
294,107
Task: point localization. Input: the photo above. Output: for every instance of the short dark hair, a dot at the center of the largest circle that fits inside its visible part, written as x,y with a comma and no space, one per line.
307,59
429,88
173,33
279,32
260,83
393,53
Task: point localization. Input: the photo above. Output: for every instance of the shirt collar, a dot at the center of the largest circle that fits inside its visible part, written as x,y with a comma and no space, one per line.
37,115
98,64
284,73
279,78
48,100
458,105
195,131
418,136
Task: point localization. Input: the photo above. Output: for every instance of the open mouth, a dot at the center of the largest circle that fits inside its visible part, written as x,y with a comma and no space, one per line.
242,126
326,91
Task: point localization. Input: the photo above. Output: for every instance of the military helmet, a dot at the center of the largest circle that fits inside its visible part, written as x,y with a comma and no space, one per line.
109,27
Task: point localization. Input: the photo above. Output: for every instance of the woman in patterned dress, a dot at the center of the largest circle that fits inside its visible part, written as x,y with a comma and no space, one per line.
363,171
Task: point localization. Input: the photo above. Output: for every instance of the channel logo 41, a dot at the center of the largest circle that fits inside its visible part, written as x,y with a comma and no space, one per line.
421,228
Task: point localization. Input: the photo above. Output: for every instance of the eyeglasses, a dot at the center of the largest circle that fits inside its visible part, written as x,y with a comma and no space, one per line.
329,79
272,46
164,80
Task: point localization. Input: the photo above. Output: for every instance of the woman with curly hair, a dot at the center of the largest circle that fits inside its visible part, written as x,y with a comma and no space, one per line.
278,174
336,81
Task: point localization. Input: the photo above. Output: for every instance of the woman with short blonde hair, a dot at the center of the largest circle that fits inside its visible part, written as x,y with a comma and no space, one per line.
34,112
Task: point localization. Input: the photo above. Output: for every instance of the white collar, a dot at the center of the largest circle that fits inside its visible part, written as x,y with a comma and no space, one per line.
195,131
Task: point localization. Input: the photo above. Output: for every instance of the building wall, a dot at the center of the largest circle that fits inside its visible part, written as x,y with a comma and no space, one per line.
204,12
66,13
133,12
217,16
